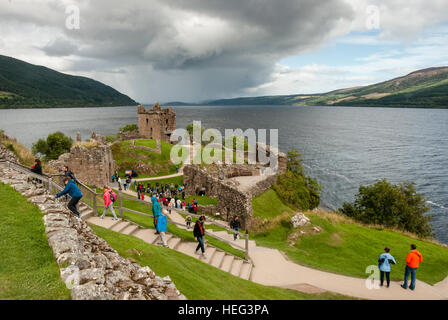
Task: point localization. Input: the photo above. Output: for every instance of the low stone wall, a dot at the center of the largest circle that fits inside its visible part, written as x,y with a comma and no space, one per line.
130,135
93,270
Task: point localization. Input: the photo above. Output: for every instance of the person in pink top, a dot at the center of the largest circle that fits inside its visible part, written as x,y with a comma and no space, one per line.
109,197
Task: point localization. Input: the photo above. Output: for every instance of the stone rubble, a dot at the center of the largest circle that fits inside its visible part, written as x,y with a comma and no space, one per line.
300,220
88,265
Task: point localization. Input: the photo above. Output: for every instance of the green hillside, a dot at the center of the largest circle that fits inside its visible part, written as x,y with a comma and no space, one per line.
23,85
426,88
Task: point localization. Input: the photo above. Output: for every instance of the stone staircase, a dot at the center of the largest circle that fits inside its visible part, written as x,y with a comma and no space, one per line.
213,256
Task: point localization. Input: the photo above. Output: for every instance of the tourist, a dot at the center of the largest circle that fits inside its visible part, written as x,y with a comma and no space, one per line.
119,183
183,205
156,211
413,261
161,227
71,189
235,225
109,198
199,233
384,262
125,185
188,220
69,174
113,178
178,204
37,167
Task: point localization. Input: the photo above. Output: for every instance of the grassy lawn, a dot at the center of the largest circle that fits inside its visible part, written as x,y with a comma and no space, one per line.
176,180
202,200
127,157
268,205
195,279
28,270
347,248
146,143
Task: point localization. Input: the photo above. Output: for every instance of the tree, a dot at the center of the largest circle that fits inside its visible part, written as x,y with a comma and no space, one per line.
55,145
394,206
295,188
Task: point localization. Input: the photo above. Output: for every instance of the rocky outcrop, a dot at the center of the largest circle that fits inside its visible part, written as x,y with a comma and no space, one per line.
5,153
89,266
300,220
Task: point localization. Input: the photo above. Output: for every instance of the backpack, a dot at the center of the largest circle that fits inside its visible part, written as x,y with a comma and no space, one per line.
113,197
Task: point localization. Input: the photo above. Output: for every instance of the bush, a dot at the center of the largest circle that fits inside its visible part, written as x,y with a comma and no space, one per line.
55,145
128,128
393,206
295,188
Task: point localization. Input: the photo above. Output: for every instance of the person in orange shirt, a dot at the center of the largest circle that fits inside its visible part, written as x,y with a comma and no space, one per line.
413,261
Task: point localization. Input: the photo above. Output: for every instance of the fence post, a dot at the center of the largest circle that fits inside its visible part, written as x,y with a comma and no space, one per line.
120,204
247,245
95,210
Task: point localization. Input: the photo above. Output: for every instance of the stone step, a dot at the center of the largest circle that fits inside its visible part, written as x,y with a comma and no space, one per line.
227,263
210,253
146,235
107,222
245,271
168,237
174,242
121,225
187,248
129,230
236,267
217,259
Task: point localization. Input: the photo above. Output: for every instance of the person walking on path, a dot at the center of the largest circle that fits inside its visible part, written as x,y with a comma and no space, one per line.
37,167
73,191
109,197
119,183
188,222
235,225
161,227
384,262
69,174
199,233
413,261
156,211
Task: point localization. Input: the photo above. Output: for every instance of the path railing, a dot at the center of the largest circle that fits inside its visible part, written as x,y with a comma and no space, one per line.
54,184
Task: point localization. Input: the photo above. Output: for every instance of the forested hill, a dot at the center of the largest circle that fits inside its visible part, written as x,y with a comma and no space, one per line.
23,85
426,88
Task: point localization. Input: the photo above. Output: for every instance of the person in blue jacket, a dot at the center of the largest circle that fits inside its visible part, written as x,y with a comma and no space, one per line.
74,192
161,227
156,211
384,263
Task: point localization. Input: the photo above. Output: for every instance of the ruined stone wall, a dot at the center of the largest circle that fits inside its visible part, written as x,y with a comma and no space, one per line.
93,269
91,165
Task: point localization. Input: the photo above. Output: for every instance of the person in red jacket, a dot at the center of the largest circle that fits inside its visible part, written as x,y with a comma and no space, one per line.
413,261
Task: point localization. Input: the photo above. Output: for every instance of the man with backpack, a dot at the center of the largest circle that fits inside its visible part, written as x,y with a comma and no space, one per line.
69,174
73,191
235,225
109,197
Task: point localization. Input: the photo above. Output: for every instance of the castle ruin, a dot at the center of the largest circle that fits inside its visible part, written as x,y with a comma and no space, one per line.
156,123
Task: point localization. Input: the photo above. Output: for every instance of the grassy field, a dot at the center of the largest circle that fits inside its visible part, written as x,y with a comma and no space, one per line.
146,143
345,247
202,200
127,158
28,270
176,180
195,279
268,205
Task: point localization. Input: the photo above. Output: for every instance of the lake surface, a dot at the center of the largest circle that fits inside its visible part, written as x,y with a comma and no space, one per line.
342,147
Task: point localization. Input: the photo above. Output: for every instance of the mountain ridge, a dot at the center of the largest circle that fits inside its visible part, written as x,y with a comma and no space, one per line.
25,85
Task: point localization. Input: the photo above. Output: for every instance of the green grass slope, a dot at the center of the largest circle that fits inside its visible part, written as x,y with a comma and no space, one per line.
342,246
28,270
129,158
23,85
197,280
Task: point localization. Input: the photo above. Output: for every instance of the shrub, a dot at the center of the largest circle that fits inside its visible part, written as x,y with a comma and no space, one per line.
393,206
128,128
295,188
55,145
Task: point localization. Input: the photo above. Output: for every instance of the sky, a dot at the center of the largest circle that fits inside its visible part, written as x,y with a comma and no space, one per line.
196,50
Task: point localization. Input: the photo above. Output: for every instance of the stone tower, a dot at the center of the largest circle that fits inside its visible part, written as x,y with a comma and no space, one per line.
156,123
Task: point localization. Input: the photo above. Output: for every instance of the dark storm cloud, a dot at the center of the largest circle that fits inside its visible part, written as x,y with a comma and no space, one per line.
223,47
